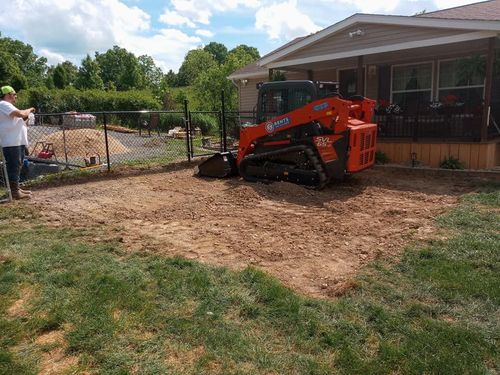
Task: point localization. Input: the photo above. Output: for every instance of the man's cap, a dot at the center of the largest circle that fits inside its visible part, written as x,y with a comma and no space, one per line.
7,90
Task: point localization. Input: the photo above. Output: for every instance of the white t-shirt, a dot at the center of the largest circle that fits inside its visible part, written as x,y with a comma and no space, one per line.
13,130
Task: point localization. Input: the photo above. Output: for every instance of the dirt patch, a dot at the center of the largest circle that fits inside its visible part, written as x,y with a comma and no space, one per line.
313,241
20,307
80,142
54,361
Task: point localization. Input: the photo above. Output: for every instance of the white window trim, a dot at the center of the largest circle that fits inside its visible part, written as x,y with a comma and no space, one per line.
455,87
431,89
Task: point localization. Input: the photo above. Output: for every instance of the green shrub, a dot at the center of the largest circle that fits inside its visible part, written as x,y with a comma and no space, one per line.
70,99
451,163
208,123
381,158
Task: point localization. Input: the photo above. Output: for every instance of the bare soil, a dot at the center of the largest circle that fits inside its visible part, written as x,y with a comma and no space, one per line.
313,241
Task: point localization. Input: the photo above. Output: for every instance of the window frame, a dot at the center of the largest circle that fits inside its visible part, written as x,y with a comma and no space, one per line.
438,88
431,89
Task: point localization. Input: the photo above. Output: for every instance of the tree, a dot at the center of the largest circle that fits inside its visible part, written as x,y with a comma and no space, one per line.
217,50
120,68
10,73
151,73
64,75
169,79
243,49
195,62
88,76
210,83
32,67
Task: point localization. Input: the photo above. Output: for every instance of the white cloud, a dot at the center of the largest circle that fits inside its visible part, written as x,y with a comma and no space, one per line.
442,4
284,21
52,58
168,47
205,33
175,19
201,11
371,6
70,29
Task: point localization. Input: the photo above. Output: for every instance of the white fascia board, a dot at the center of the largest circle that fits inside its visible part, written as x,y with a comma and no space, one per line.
383,20
388,48
248,75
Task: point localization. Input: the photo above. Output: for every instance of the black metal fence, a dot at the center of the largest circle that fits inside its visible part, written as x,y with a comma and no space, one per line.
103,140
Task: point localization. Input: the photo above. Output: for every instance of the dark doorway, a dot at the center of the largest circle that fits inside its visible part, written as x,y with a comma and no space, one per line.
348,81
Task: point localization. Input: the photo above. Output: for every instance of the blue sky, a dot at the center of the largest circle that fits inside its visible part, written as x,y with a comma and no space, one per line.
166,30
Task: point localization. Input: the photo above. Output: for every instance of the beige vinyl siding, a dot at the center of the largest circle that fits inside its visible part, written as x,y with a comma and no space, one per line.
374,36
325,75
248,95
291,75
249,92
453,50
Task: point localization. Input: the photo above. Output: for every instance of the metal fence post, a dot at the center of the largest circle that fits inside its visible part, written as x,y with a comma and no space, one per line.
106,140
223,120
188,129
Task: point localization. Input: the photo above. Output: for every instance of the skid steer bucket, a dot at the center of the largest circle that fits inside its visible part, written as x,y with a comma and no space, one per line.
220,165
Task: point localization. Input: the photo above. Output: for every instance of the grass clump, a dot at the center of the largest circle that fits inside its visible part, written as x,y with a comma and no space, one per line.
434,311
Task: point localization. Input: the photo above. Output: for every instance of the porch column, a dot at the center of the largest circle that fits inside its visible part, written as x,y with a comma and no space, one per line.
271,72
360,78
490,59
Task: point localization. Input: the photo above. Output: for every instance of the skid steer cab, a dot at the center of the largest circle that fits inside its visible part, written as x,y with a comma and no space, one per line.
305,133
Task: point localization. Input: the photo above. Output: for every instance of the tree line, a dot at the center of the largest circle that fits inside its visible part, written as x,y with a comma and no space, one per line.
200,78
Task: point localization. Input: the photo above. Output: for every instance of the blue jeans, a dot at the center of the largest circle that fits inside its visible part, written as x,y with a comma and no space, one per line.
14,157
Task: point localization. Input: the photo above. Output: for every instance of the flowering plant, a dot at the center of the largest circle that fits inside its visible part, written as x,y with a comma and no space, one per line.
451,101
386,107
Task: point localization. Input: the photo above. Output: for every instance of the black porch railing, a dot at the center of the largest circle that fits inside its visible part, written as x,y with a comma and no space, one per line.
465,127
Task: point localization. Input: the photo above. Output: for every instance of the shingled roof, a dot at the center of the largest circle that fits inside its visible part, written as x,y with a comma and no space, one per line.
483,11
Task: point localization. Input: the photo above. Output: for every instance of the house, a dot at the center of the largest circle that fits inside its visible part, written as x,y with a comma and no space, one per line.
433,75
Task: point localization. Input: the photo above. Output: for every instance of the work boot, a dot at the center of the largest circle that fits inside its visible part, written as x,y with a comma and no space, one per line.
16,192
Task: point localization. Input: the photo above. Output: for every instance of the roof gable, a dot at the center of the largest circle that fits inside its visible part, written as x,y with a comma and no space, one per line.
428,22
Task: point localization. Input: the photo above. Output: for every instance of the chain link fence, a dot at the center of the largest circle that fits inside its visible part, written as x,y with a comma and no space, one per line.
103,140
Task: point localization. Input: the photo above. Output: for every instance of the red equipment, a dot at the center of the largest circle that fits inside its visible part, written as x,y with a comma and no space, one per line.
47,151
324,138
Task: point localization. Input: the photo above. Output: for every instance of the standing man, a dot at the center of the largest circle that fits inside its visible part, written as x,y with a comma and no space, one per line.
13,138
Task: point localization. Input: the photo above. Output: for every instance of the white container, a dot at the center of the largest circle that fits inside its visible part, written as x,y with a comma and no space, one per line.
31,119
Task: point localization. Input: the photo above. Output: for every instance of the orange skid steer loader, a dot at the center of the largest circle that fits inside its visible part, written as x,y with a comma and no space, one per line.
305,134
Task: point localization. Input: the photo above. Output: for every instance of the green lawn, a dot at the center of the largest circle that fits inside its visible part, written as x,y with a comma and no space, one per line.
434,311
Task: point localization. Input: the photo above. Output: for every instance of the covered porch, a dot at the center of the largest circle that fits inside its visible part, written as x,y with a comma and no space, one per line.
433,102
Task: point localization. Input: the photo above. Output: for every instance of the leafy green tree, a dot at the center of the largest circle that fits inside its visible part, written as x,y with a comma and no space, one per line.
64,75
243,49
210,83
88,76
32,67
218,51
120,68
169,79
195,62
10,73
151,73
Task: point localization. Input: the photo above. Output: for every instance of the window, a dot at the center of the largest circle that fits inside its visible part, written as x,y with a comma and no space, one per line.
276,102
412,85
463,79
